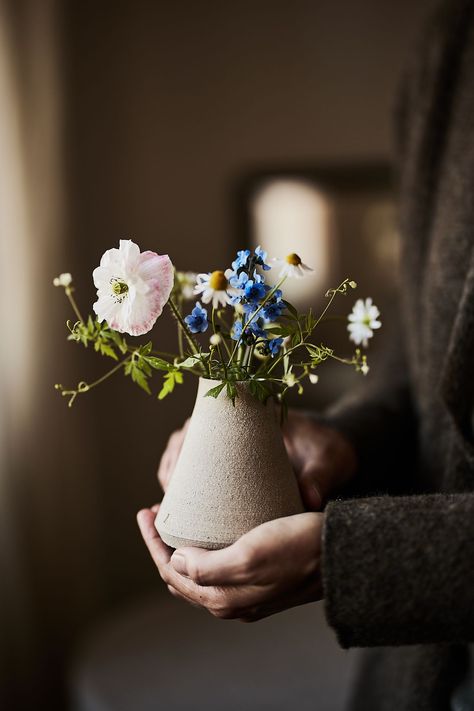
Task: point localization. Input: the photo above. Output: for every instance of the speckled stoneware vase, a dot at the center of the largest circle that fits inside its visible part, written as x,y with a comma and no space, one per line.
233,473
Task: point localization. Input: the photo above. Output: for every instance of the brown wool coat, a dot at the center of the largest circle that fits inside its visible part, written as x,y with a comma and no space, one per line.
398,560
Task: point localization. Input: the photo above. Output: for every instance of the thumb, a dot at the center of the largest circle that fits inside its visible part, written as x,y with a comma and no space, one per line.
209,567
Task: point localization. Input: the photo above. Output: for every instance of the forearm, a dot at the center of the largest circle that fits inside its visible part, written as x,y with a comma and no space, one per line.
400,570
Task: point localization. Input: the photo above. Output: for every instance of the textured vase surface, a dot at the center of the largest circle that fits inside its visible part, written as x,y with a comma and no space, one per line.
233,473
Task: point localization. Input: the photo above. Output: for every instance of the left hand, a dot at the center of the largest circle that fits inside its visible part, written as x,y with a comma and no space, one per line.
269,569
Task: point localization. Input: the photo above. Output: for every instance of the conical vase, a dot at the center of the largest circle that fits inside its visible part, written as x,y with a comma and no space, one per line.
233,473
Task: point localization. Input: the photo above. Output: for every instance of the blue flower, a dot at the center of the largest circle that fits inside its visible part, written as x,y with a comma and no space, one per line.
250,333
254,291
241,261
273,310
260,258
236,331
274,346
197,320
238,281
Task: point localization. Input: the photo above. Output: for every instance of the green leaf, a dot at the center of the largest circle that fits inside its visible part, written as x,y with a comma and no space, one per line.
291,308
259,390
192,360
157,363
232,392
214,392
107,350
146,349
140,379
170,380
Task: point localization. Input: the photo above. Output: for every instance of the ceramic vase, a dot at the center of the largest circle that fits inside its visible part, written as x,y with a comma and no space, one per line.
233,473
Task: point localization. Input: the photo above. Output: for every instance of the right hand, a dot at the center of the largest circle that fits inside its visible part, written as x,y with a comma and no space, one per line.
170,455
322,458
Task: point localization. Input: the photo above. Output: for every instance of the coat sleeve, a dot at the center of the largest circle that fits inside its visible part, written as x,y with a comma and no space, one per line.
400,570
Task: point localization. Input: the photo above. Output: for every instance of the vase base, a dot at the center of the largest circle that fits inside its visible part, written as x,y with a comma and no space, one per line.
179,542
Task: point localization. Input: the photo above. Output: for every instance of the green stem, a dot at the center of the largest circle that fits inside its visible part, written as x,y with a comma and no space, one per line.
323,313
175,311
84,387
213,319
72,301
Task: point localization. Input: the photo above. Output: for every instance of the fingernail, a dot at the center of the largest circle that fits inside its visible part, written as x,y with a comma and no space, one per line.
178,561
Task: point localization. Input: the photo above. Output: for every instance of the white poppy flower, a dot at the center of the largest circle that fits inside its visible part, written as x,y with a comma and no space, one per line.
292,266
64,279
363,321
132,288
215,287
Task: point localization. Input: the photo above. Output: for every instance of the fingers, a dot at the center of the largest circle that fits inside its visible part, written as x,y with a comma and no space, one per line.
228,566
160,552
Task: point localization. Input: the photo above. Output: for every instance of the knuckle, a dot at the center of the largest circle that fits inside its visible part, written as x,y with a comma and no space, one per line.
195,572
223,612
248,558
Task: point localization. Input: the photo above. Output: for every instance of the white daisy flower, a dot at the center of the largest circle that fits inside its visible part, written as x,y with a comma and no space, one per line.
186,282
132,288
215,287
63,280
363,321
292,266
290,380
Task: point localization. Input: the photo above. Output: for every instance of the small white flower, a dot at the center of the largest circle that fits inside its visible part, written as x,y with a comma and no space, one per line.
290,380
215,339
186,282
363,321
63,280
292,266
215,287
313,378
364,368
132,288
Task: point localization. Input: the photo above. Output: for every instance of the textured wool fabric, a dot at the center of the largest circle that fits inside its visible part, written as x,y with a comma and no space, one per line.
399,570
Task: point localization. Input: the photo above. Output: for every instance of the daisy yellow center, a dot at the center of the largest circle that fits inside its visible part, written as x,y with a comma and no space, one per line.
218,281
293,259
119,287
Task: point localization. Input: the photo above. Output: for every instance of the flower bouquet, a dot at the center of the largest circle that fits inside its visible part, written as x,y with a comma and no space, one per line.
233,472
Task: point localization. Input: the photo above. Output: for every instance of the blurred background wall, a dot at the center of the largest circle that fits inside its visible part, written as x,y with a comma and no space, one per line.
139,119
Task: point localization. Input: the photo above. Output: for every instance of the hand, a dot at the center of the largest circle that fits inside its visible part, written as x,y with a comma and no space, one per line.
323,459
170,455
273,567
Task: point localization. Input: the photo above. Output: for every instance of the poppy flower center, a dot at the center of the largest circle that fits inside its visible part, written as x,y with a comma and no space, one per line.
218,281
293,259
119,287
